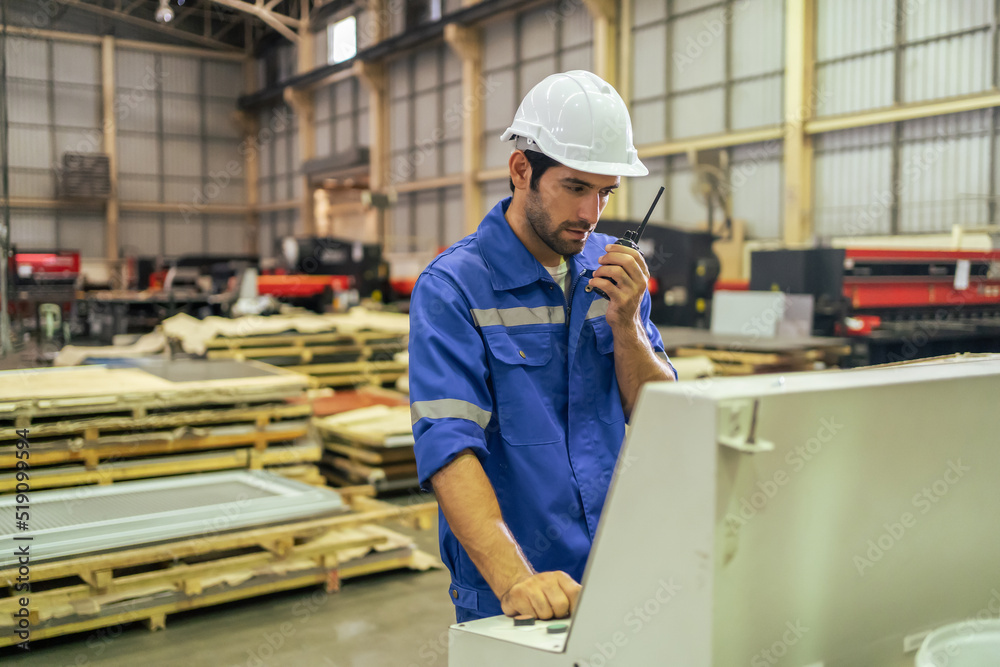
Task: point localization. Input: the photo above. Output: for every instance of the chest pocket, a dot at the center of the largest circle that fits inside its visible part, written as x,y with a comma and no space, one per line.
608,398
525,383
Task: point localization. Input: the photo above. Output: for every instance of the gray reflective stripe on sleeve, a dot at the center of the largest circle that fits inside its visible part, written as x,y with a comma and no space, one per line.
598,308
513,317
449,408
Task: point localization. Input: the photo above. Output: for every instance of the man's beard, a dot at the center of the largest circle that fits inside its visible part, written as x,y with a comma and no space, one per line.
541,223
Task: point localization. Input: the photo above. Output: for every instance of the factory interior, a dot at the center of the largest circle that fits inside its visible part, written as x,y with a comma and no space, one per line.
279,385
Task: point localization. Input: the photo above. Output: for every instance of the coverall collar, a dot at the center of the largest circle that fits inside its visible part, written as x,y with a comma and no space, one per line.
511,264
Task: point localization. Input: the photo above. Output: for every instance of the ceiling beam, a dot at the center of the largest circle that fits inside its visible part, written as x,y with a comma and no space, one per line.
132,7
223,31
152,25
281,23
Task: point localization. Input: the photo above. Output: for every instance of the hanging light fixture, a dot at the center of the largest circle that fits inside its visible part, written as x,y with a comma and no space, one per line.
164,14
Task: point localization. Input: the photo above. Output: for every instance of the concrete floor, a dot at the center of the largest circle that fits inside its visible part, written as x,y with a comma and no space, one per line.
395,619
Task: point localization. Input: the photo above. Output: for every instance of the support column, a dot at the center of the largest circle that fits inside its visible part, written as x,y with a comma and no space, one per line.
467,44
110,146
303,105
250,128
605,15
375,78
800,23
613,63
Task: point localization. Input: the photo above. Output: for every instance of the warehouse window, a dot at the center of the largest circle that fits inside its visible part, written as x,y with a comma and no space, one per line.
342,40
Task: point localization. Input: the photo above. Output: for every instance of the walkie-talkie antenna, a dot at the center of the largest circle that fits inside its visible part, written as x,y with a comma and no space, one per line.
642,227
633,237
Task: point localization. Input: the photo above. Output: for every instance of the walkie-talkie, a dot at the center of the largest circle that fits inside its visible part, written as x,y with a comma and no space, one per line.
630,240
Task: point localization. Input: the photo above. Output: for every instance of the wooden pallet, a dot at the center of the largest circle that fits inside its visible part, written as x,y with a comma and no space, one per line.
376,426
154,443
119,471
305,355
198,336
29,396
92,428
739,362
370,456
350,374
302,340
359,473
147,583
372,445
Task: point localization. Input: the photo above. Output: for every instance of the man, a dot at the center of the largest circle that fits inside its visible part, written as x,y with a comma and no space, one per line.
521,378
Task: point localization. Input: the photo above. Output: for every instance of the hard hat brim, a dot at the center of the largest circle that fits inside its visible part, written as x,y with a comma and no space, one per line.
598,168
607,168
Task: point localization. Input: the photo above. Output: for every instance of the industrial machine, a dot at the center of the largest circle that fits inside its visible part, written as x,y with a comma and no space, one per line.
360,263
682,270
44,293
900,304
804,520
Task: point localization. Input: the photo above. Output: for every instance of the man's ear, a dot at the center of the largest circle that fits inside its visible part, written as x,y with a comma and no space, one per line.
520,170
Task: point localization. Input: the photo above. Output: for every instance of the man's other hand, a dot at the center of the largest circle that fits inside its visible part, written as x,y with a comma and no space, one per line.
544,595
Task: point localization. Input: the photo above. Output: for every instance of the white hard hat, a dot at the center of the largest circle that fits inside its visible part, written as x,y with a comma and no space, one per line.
578,119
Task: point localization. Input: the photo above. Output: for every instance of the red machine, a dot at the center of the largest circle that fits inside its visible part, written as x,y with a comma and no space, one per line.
921,278
62,266
905,304
44,290
301,286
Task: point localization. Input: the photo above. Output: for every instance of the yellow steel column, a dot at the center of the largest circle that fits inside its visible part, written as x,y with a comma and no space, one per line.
375,78
301,102
466,42
613,63
110,145
800,23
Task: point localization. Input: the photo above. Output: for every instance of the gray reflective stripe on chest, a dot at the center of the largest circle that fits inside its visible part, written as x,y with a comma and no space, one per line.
449,408
598,308
514,317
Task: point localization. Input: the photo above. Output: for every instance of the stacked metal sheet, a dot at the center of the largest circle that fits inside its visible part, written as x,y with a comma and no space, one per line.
371,445
338,350
141,550
98,425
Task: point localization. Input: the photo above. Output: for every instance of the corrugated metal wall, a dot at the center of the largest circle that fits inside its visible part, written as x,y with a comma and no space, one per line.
177,142
755,186
871,53
917,176
426,220
341,117
701,68
54,99
425,115
280,174
520,51
705,67
276,225
852,189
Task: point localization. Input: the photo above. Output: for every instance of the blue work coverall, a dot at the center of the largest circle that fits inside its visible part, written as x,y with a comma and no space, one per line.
502,366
